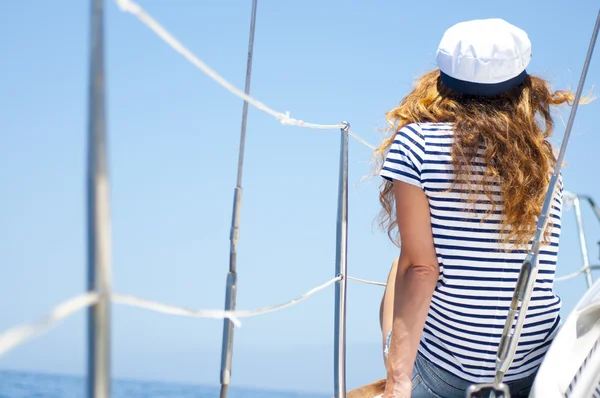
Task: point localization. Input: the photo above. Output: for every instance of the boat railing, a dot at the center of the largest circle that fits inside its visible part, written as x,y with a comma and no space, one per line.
574,200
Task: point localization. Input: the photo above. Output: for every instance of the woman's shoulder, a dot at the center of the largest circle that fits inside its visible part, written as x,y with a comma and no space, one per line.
432,134
430,128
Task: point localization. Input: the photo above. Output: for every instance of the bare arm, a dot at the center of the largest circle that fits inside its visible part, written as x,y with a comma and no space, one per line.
416,279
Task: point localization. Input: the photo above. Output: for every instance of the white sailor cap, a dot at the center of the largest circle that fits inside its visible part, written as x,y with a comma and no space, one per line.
483,57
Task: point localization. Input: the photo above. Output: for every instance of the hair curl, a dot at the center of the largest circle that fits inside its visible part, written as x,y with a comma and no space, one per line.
513,127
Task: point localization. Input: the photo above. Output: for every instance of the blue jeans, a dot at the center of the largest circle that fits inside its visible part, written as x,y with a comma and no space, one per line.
431,381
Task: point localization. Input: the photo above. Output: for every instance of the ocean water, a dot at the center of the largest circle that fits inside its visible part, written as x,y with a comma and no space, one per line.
35,385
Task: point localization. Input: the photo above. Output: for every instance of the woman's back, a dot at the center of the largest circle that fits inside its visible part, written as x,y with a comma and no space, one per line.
477,271
466,172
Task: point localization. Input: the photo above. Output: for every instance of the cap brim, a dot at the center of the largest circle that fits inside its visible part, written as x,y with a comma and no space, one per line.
481,89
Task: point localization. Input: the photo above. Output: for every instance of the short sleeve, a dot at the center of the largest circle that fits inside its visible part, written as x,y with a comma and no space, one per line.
404,159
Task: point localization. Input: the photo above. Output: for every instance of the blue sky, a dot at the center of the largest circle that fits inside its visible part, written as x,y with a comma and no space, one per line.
174,138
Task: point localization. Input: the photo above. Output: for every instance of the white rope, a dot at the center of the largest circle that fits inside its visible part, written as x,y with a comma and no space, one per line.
265,310
361,140
557,279
217,314
171,309
136,10
367,281
574,274
569,276
17,335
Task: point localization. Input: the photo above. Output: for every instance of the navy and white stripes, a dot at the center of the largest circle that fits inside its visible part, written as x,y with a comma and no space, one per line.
477,275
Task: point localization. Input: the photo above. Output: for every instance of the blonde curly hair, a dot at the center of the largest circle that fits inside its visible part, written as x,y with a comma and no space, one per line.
513,127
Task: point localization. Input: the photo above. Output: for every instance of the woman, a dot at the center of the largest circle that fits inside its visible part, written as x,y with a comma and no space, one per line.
465,176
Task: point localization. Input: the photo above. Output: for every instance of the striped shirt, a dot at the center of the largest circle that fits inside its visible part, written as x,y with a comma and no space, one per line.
477,275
